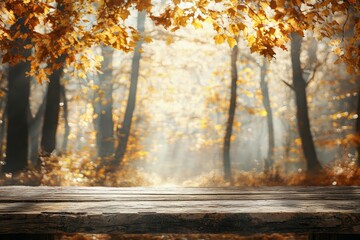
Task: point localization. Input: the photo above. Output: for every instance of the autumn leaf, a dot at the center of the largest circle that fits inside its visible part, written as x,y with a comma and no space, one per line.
99,58
148,39
197,24
231,41
219,39
169,40
273,4
81,74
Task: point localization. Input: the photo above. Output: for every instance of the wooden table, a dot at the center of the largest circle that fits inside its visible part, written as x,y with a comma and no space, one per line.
53,210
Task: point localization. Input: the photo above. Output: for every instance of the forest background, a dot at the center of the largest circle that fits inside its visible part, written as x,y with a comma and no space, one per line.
192,93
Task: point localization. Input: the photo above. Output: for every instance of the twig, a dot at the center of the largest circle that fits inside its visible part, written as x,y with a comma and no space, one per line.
251,59
313,73
288,84
315,69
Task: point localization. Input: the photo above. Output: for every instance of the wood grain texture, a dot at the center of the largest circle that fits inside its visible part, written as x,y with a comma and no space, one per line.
179,210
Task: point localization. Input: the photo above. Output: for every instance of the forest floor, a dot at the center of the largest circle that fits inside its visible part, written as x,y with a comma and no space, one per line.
274,236
78,170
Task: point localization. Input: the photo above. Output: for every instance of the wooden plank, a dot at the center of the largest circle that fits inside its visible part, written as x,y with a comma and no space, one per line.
33,191
242,223
213,206
78,197
164,194
180,190
179,210
109,198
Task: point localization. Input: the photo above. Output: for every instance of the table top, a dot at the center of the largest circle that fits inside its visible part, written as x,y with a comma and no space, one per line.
179,210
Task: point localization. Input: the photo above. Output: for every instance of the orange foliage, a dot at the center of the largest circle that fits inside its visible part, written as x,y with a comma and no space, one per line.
341,173
79,170
79,25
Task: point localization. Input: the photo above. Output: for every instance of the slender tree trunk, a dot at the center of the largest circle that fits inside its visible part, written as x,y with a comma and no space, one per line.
66,119
269,161
287,147
3,77
2,127
97,109
230,121
105,123
51,117
299,84
34,132
17,105
358,128
124,132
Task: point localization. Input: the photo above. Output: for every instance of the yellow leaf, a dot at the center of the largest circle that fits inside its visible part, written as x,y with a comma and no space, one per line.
99,58
169,40
197,24
148,39
209,20
82,75
231,41
219,39
263,113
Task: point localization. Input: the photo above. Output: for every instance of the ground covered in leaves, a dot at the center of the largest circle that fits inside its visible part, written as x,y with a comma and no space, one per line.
185,237
78,170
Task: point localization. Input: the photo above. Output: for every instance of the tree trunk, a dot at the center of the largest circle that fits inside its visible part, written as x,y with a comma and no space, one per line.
52,108
230,121
17,105
34,132
104,108
124,131
269,161
51,117
3,128
66,120
358,128
299,84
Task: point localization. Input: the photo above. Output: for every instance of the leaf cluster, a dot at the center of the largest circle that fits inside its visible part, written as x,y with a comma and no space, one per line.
54,28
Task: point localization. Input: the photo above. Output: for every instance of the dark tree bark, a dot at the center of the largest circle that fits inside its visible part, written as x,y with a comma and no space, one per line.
269,161
303,122
123,132
104,108
52,107
66,119
230,121
3,100
18,104
358,128
2,127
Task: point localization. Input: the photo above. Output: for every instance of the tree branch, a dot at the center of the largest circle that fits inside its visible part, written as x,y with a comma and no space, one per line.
288,84
251,59
313,74
317,66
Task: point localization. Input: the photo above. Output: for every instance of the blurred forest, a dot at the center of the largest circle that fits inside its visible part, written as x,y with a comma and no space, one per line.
180,108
